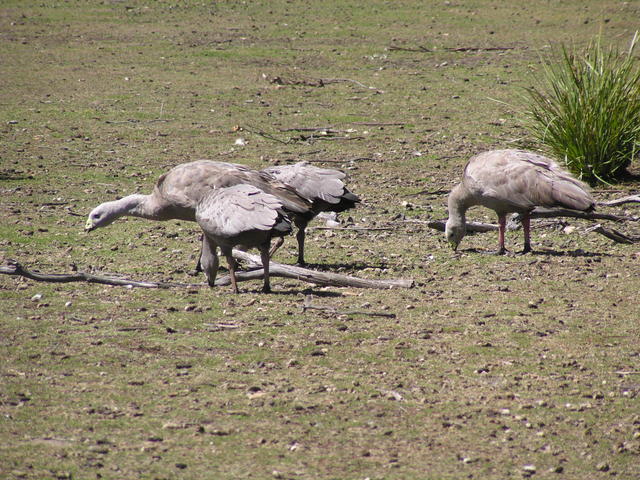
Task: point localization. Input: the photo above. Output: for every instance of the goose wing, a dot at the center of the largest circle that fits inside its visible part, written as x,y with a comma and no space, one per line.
231,211
311,182
517,180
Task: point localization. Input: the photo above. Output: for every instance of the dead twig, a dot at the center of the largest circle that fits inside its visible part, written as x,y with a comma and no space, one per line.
513,224
379,124
540,212
621,201
307,305
614,235
311,276
355,229
16,269
439,191
265,135
422,49
474,227
479,49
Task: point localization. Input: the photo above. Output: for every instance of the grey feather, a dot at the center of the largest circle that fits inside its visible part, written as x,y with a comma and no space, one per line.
513,181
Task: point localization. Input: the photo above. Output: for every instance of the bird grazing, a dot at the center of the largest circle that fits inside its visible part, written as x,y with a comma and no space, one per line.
239,215
178,192
509,181
324,187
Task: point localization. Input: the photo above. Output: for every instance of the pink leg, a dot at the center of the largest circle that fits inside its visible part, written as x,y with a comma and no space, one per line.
526,228
502,223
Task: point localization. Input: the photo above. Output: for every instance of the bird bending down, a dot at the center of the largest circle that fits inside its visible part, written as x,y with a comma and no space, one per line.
509,181
239,215
323,187
178,192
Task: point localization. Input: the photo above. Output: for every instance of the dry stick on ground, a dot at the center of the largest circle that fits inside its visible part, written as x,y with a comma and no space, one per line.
614,235
563,212
311,276
276,270
422,49
307,305
266,135
353,229
440,191
380,124
18,270
349,160
479,227
621,201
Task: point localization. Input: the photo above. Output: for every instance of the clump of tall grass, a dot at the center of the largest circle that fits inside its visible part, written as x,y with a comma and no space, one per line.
586,109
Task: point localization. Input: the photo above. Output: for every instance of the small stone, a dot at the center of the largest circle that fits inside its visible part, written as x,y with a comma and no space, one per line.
530,469
602,467
36,297
68,304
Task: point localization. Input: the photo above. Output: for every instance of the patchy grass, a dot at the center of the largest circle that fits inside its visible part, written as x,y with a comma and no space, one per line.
491,364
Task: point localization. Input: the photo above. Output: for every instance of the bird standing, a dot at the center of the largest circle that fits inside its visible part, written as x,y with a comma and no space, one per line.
239,215
509,181
324,187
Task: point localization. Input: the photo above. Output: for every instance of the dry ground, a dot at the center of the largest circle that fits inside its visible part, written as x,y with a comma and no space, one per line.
493,367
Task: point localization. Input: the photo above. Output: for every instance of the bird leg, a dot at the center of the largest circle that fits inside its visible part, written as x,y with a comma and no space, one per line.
300,236
526,228
502,224
232,269
264,256
198,268
276,246
209,260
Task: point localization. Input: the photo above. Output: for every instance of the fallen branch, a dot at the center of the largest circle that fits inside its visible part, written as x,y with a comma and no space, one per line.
354,229
307,305
474,227
265,135
350,160
563,212
380,124
440,191
513,224
16,269
304,138
419,48
621,201
314,82
311,276
322,130
614,235
422,49
479,49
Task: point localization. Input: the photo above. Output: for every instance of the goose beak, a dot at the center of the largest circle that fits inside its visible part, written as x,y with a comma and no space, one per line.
454,245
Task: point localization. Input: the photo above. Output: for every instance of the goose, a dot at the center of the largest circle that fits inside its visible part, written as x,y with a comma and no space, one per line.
239,215
325,189
178,192
509,181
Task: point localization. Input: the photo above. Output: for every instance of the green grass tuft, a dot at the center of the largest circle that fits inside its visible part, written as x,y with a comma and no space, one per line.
586,109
